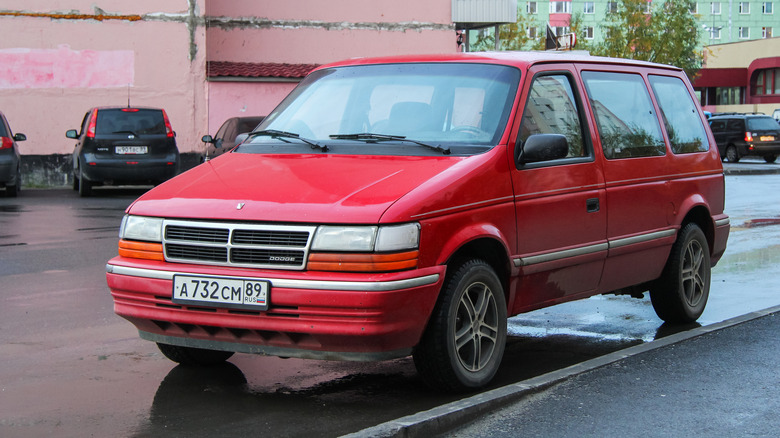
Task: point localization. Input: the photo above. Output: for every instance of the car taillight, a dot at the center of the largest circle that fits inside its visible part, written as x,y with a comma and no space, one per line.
7,143
168,128
92,124
748,137
130,110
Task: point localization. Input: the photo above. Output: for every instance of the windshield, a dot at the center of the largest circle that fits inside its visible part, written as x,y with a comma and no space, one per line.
460,105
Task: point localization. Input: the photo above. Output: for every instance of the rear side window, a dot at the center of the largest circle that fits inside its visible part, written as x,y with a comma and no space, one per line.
682,121
735,125
552,109
130,121
718,125
628,125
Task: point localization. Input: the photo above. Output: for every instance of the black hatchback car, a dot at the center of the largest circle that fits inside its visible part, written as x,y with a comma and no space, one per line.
10,165
740,135
123,145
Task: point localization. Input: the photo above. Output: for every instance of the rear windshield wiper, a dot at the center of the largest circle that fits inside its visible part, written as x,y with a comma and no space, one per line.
375,138
273,133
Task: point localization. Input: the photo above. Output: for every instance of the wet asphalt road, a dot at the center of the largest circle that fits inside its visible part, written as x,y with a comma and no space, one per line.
70,367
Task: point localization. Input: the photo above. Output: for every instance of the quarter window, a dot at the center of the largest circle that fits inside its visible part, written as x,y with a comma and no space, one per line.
628,125
683,123
551,108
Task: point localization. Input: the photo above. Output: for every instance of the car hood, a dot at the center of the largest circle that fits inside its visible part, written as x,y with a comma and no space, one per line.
311,188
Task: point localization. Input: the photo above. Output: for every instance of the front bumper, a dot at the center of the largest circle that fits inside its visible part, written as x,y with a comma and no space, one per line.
320,316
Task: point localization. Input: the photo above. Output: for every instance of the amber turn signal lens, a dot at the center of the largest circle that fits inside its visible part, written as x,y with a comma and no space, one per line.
141,250
363,262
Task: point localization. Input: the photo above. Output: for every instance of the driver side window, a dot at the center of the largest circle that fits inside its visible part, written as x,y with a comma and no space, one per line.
552,109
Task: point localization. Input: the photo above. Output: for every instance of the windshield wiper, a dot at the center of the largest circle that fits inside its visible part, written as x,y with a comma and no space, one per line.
375,138
273,133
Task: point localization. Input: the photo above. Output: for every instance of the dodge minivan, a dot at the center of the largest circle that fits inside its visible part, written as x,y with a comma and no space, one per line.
409,205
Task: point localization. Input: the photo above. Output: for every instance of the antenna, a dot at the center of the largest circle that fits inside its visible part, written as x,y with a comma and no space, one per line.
128,95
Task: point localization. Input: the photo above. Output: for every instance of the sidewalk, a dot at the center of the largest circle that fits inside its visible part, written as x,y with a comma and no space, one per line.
715,381
751,166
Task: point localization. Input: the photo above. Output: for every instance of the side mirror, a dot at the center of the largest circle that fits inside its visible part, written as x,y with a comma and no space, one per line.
542,147
20,137
207,139
72,133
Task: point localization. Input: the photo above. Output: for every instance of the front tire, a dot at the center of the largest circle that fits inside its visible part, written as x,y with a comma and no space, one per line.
463,345
681,293
193,356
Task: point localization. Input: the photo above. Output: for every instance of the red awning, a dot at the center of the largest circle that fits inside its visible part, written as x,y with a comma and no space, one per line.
721,77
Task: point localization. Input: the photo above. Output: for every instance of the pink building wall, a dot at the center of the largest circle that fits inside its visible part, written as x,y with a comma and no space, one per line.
58,58
313,32
55,65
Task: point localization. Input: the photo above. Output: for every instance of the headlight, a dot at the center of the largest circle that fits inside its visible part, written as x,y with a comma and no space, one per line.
366,238
334,238
398,237
148,229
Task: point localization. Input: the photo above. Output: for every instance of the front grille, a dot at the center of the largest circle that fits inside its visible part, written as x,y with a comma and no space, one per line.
237,244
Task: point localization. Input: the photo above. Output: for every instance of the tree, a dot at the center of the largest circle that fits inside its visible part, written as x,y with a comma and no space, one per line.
512,36
667,35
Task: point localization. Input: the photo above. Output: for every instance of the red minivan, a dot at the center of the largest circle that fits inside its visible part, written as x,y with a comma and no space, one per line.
409,205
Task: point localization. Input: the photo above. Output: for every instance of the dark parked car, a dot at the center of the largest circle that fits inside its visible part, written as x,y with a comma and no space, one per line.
10,164
740,135
123,145
225,138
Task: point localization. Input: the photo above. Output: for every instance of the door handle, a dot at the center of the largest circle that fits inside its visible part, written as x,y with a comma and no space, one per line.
592,205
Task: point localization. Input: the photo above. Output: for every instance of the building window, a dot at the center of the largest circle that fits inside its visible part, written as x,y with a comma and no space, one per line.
766,32
767,82
561,30
744,33
611,7
530,8
715,33
560,7
767,8
744,8
531,32
588,33
694,8
589,8
728,96
648,6
715,8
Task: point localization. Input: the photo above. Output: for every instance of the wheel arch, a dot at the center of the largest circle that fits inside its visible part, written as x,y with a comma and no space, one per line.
700,215
490,249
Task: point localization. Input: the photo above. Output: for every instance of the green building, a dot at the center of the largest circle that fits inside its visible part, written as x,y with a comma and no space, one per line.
721,22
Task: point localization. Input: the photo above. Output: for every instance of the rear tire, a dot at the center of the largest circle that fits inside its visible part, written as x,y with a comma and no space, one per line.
13,190
770,158
464,342
681,293
732,155
84,186
193,356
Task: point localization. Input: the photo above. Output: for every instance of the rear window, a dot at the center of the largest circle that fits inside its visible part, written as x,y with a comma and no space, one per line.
3,133
130,121
762,124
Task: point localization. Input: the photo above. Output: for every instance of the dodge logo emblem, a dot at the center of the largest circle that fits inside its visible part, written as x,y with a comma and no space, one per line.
240,205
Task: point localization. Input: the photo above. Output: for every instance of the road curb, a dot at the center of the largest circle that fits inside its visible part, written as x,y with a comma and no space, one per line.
451,415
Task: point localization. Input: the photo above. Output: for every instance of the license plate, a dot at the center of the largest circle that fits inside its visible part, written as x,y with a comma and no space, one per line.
767,138
131,150
232,292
